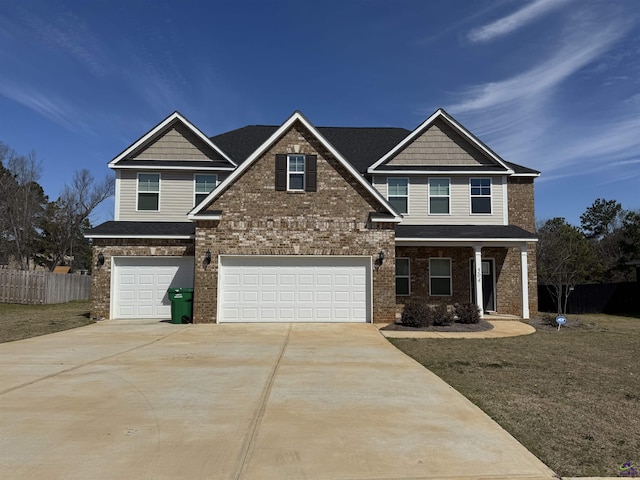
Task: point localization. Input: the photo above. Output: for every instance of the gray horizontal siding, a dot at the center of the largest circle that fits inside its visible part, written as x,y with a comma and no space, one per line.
440,145
176,196
460,202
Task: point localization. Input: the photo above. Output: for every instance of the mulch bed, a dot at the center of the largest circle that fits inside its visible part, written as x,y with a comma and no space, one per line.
455,327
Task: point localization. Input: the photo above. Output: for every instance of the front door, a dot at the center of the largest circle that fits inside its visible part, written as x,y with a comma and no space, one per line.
488,284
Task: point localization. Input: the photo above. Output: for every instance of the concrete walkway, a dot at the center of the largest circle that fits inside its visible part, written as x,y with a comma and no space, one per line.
501,328
125,400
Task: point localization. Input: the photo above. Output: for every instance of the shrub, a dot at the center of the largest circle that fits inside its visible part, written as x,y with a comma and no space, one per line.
441,316
415,315
467,313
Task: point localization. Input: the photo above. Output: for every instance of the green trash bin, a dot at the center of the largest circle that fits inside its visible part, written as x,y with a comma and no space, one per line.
181,304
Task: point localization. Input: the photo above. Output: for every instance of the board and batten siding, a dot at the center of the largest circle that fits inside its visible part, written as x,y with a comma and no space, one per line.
460,201
176,195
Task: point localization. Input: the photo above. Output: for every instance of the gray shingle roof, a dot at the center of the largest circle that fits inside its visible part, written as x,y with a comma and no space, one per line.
360,146
143,229
463,232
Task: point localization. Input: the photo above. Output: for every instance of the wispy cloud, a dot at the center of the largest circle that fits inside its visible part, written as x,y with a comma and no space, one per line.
69,34
513,22
580,48
55,109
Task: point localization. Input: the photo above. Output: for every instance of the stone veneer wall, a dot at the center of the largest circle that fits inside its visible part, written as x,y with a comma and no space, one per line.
101,277
258,220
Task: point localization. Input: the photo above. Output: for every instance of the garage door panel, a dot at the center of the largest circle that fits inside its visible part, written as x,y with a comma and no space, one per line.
288,289
269,280
139,285
146,295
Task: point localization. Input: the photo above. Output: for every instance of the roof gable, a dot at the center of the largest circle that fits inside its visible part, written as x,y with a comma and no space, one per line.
266,145
440,142
173,143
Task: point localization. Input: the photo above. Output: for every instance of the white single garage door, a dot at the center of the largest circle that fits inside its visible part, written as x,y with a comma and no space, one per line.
139,285
294,289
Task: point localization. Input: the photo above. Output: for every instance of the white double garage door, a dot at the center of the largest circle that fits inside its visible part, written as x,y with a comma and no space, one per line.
252,288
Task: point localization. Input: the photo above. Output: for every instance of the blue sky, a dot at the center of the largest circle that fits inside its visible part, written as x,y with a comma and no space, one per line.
549,84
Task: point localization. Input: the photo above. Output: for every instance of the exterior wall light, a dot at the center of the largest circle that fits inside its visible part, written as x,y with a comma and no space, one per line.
207,258
379,259
100,261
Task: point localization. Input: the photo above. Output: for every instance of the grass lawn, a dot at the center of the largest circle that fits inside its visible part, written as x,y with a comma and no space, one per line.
572,397
24,321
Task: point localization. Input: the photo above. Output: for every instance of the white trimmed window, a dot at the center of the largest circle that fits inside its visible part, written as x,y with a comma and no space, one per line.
439,196
204,184
480,195
149,191
398,194
295,169
440,276
403,282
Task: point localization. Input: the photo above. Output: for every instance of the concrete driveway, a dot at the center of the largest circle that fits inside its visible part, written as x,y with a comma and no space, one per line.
148,400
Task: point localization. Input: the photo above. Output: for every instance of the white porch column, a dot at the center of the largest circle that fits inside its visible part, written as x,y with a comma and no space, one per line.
477,249
524,269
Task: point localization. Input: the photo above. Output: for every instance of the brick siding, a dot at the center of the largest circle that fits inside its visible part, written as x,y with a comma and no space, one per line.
507,277
258,220
101,277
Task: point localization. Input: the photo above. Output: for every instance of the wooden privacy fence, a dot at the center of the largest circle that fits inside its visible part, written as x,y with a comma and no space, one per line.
34,288
614,298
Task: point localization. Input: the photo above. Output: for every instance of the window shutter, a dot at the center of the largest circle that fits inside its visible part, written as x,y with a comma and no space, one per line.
281,172
311,173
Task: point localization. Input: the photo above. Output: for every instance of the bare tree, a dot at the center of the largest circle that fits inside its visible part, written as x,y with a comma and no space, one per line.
565,258
22,204
68,216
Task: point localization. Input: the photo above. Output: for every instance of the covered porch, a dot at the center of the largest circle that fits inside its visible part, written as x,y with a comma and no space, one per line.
492,266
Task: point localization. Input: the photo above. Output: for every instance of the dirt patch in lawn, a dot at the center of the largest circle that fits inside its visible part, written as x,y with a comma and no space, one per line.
570,396
454,327
18,322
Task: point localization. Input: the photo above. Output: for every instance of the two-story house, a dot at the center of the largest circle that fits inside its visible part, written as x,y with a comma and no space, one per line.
296,223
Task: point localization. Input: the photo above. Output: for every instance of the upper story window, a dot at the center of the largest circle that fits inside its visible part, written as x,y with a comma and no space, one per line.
295,169
296,172
439,196
398,193
149,191
204,184
480,195
440,276
403,284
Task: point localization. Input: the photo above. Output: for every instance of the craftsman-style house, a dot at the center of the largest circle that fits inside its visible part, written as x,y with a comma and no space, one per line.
297,223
